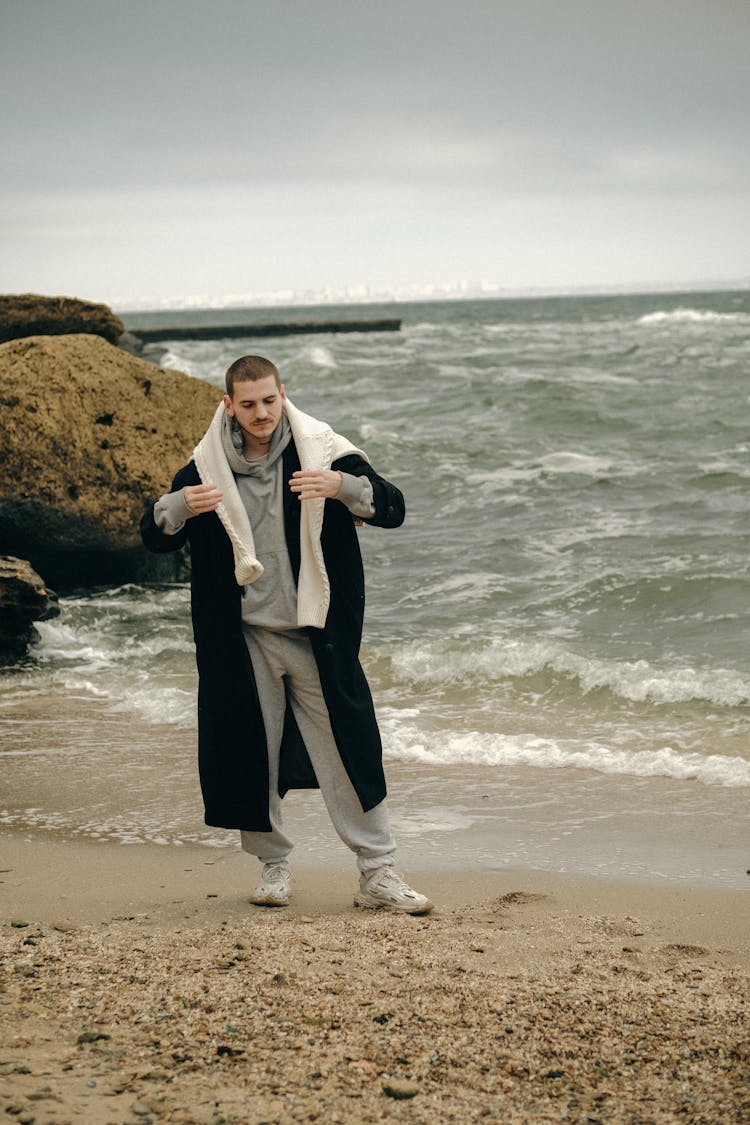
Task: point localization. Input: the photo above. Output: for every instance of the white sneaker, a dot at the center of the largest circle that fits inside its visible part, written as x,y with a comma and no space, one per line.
385,889
275,887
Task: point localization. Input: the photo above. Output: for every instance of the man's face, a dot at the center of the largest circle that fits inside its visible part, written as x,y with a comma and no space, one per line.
257,406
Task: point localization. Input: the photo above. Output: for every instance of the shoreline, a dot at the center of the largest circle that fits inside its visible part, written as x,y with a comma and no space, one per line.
77,883
138,984
81,769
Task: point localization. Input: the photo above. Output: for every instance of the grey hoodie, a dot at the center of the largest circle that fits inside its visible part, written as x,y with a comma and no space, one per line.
270,601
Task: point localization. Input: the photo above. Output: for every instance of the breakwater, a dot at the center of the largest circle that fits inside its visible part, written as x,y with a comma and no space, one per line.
234,331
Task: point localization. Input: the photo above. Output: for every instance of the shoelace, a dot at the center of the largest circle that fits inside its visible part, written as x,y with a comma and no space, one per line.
393,880
277,876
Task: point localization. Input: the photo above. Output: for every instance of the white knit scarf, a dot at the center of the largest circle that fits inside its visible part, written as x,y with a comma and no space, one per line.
317,447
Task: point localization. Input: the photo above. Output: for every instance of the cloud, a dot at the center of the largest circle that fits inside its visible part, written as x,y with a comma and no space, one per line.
466,131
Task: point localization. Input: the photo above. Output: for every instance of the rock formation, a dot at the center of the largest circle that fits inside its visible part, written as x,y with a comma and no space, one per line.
27,314
24,599
90,436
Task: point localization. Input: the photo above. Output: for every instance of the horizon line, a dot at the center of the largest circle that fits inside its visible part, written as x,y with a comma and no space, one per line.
412,294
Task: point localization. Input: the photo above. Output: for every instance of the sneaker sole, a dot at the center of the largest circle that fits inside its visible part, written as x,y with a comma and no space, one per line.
267,902
365,904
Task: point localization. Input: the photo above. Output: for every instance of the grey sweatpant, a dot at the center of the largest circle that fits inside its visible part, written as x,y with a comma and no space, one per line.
284,665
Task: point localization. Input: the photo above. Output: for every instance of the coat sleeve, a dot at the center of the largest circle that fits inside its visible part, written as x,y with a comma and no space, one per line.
154,539
390,510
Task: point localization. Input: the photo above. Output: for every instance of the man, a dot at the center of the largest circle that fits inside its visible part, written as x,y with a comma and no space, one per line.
268,504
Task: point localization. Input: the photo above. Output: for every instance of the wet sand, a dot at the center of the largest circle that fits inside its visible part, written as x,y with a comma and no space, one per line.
75,767
138,985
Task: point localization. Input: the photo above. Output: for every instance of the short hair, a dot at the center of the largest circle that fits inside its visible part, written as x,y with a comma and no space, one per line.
249,369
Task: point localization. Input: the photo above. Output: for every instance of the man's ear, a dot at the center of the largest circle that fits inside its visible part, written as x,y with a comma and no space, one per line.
228,406
282,392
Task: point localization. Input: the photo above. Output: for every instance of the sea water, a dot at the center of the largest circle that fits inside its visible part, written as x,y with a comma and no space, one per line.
556,639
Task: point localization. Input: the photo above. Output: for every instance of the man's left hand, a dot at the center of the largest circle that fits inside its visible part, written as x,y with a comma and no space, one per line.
311,484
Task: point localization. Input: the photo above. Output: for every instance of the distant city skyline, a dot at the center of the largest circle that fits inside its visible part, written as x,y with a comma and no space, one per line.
360,294
167,150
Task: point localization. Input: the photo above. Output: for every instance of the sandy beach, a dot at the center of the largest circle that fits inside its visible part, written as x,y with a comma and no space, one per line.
139,985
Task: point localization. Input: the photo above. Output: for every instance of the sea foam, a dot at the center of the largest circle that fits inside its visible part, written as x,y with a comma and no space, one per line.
694,316
500,658
404,741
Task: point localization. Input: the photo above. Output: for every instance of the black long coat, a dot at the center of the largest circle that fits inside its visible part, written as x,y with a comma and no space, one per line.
232,751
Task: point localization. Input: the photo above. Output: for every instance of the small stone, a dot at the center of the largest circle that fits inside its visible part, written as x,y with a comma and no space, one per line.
223,1050
92,1036
20,1112
400,1089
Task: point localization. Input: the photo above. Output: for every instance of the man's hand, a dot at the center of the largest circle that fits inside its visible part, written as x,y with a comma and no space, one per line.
201,497
310,484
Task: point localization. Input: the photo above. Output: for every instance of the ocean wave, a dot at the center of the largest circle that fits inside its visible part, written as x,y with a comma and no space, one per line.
405,742
318,355
126,602
369,431
132,692
725,468
565,461
560,463
198,359
499,659
477,585
73,644
424,327
687,315
97,648
173,705
595,377
173,361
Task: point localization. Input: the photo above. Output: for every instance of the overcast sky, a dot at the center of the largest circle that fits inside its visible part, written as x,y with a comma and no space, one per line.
170,148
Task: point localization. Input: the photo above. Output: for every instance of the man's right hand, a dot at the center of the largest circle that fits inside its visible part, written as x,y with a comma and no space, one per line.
201,497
